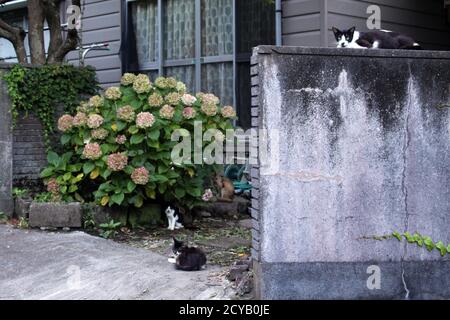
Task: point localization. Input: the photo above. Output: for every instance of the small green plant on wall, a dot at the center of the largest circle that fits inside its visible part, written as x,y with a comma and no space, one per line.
418,239
118,146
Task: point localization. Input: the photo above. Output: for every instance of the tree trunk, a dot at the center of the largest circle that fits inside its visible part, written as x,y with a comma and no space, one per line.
36,31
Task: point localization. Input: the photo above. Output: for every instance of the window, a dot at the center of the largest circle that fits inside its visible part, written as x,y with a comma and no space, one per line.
16,14
15,18
199,42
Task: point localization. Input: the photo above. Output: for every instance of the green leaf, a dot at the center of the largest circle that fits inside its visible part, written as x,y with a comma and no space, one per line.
65,139
131,186
180,193
154,135
47,172
408,237
397,235
53,158
133,130
137,138
441,247
67,176
118,198
429,243
105,174
72,189
448,248
418,239
88,167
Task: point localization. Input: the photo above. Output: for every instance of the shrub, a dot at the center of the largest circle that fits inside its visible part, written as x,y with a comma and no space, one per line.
118,146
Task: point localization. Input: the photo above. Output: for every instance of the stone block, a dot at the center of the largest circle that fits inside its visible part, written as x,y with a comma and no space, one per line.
22,207
55,215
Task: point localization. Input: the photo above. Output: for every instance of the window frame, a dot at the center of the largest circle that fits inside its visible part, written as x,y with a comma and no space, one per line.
161,63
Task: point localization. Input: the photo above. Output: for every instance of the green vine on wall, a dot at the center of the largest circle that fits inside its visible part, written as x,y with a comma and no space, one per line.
419,240
41,89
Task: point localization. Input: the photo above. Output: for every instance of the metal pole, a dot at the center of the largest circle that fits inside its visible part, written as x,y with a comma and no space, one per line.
278,28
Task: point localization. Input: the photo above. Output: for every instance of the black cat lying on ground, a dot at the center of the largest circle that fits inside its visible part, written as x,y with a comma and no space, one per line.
187,258
375,39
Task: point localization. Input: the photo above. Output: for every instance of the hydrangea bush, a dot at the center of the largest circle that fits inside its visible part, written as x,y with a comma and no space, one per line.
118,146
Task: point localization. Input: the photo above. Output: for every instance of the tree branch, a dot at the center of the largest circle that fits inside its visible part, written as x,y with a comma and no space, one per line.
16,36
53,17
68,45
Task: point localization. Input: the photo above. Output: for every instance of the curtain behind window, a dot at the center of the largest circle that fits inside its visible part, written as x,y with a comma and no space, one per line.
179,38
217,39
145,23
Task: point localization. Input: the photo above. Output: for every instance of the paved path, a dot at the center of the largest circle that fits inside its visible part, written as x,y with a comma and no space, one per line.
42,265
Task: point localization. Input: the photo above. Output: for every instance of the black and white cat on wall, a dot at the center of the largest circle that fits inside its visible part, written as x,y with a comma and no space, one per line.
375,39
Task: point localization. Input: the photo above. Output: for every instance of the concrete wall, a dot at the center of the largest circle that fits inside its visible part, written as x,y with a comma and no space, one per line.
309,22
356,148
6,145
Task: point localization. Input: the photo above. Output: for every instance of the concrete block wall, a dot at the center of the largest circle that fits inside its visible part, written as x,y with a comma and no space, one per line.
355,148
6,147
29,152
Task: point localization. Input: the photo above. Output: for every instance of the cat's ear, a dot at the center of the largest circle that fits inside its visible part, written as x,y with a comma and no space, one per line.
337,33
176,242
352,30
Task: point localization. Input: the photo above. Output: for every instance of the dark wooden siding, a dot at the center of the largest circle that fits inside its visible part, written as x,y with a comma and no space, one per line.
102,23
301,22
423,20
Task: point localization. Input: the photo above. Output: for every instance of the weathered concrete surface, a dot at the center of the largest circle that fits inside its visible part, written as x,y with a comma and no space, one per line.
56,215
40,265
356,148
6,148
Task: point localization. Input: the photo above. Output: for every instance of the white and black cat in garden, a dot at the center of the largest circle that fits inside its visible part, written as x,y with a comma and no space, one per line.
375,39
187,258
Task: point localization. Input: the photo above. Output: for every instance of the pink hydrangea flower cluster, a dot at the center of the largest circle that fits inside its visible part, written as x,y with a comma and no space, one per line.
208,195
126,113
208,98
99,134
210,109
145,120
140,176
167,112
80,119
173,98
142,84
228,112
53,186
189,113
127,79
65,123
92,151
94,121
96,101
113,93
181,87
188,100
121,139
117,161
155,100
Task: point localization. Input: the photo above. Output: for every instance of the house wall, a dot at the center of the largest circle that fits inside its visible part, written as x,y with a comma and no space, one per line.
101,21
305,21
